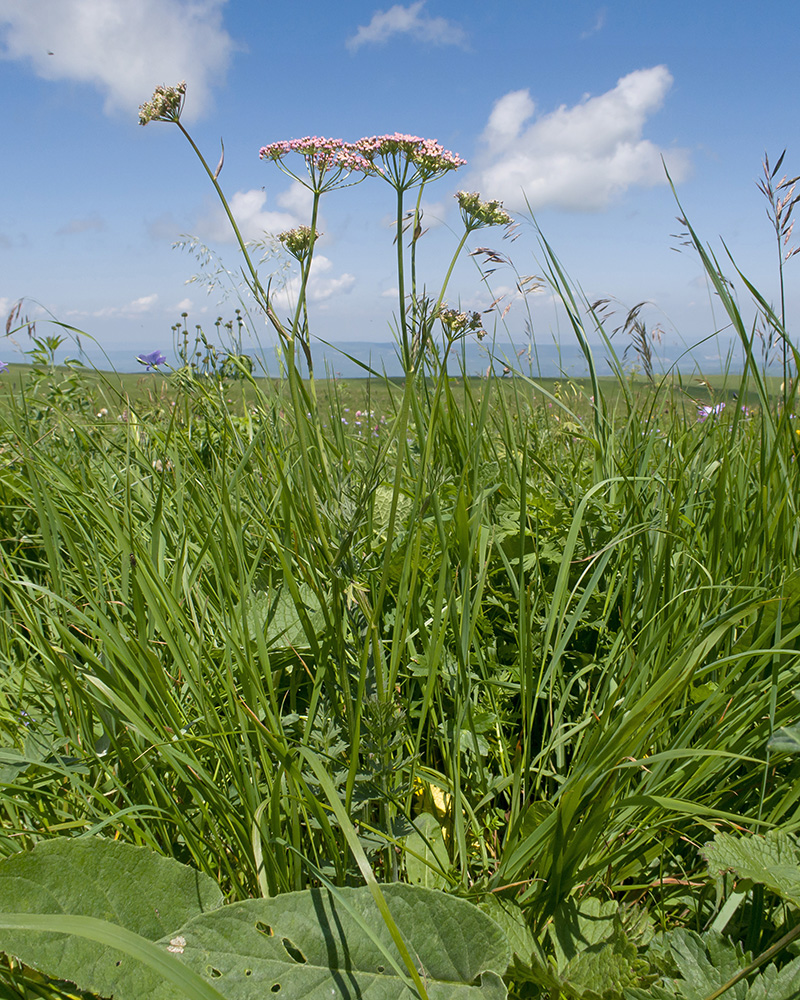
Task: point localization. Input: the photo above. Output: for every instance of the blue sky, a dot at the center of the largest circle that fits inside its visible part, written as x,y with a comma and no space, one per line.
574,104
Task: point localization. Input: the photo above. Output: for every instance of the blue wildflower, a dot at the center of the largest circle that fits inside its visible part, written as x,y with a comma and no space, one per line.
152,360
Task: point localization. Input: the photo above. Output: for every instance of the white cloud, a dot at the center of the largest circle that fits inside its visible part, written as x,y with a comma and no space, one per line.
144,304
253,222
297,199
138,307
411,20
319,288
123,48
577,158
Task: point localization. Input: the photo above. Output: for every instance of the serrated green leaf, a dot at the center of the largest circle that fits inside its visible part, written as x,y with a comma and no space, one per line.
772,860
706,963
594,959
772,984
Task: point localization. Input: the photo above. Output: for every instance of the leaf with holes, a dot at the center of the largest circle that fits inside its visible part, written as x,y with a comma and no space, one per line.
317,945
314,943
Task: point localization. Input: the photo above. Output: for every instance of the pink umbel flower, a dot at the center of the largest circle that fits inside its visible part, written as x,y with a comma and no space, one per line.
332,157
407,160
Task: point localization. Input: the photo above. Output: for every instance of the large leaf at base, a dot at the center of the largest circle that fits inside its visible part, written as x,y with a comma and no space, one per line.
314,943
131,887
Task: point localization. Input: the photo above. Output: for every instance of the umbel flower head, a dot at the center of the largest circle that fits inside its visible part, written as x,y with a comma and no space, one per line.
333,157
477,214
407,159
298,241
459,324
165,105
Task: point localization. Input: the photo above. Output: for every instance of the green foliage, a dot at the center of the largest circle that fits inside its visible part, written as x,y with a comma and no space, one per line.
699,967
525,642
772,860
315,943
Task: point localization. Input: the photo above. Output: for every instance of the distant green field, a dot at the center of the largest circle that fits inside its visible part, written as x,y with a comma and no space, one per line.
115,390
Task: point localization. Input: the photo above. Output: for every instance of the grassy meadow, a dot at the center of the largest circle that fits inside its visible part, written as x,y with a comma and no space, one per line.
541,643
526,648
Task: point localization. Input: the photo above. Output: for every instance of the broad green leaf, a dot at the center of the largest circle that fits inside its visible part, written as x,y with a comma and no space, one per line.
310,943
278,617
131,887
89,930
424,866
772,860
383,506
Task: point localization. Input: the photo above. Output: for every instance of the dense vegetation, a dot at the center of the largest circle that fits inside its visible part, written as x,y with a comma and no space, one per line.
534,648
539,648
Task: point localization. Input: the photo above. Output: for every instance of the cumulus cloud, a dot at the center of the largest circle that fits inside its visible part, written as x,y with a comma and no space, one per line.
123,49
578,158
411,20
321,284
253,221
297,199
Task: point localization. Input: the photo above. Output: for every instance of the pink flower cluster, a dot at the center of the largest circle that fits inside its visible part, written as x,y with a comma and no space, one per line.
427,154
428,157
319,153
